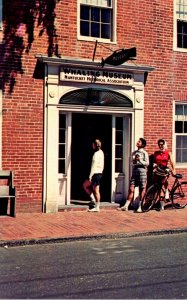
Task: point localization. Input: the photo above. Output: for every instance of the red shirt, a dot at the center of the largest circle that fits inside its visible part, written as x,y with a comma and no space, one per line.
161,158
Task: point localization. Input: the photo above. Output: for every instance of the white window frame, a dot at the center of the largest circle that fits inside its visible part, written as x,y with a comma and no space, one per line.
178,164
87,38
1,15
63,143
175,17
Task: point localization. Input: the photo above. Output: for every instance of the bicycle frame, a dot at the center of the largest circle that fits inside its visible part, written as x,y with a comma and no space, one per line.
156,193
175,183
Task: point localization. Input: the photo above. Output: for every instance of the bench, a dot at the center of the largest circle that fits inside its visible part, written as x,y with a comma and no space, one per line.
7,190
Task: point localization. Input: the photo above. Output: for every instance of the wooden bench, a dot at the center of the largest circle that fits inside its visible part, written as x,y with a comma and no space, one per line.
7,190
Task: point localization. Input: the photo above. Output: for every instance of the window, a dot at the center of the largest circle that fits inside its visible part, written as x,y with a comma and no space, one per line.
119,145
96,20
1,15
181,23
181,132
96,96
62,144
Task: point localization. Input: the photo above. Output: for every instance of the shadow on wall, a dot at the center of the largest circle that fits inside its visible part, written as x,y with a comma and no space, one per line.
20,18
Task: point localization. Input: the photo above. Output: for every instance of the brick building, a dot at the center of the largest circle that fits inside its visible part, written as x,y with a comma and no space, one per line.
56,95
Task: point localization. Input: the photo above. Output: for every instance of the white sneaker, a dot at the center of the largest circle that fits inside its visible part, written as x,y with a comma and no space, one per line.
139,210
125,208
161,205
95,209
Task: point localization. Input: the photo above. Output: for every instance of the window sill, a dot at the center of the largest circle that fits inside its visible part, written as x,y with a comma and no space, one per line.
181,165
184,50
90,39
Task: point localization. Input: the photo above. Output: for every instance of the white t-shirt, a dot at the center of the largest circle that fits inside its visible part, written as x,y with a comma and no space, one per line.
97,165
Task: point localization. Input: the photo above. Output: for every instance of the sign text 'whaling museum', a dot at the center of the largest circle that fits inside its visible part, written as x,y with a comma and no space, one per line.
92,76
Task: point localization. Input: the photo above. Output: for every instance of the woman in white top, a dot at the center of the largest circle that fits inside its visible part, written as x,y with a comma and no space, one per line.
92,186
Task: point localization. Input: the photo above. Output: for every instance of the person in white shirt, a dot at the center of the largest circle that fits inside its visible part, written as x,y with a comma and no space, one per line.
92,186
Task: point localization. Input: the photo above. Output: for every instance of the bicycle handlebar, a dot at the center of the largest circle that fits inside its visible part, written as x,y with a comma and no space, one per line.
178,176
169,171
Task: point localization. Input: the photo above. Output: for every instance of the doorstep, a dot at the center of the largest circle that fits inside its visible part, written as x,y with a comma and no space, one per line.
85,206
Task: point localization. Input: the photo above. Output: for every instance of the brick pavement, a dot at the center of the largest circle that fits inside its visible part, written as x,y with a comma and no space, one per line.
38,227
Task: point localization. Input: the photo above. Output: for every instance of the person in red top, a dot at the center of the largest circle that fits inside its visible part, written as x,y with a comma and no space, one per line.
161,159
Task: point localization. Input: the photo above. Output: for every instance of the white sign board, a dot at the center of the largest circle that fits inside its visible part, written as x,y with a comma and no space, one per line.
94,76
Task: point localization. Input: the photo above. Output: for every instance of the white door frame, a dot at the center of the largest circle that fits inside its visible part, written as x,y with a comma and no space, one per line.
53,200
120,181
116,178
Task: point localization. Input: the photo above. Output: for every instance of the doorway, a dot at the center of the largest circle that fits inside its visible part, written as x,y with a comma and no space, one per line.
85,128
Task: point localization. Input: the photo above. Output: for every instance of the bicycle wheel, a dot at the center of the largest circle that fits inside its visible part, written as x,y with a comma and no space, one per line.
179,195
150,197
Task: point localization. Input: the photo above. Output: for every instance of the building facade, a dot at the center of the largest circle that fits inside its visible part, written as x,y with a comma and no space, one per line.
57,93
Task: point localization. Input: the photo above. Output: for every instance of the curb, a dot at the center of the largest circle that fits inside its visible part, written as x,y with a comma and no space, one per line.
42,241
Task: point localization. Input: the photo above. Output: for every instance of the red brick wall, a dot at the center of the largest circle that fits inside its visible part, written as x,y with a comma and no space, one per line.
49,27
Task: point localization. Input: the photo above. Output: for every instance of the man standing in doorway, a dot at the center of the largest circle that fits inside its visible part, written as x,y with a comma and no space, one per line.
140,162
92,186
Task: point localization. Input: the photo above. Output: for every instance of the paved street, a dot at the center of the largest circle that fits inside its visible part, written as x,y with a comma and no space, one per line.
150,267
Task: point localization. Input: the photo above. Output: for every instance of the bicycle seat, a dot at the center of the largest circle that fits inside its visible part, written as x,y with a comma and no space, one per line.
179,176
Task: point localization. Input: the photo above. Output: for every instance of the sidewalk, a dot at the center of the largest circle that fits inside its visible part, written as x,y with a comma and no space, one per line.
42,228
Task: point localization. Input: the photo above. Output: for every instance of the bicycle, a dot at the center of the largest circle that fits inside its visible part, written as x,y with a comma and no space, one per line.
156,193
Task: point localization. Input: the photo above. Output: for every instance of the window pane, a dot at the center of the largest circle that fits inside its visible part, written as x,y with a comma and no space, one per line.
185,127
178,156
105,31
178,151
84,29
178,141
179,26
179,110
119,123
61,166
119,137
105,15
119,151
184,141
62,151
62,135
185,110
178,126
181,149
84,14
62,121
184,155
184,27
95,14
185,41
95,32
118,166
179,41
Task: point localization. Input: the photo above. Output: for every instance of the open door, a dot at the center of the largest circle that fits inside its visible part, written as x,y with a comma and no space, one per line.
85,128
